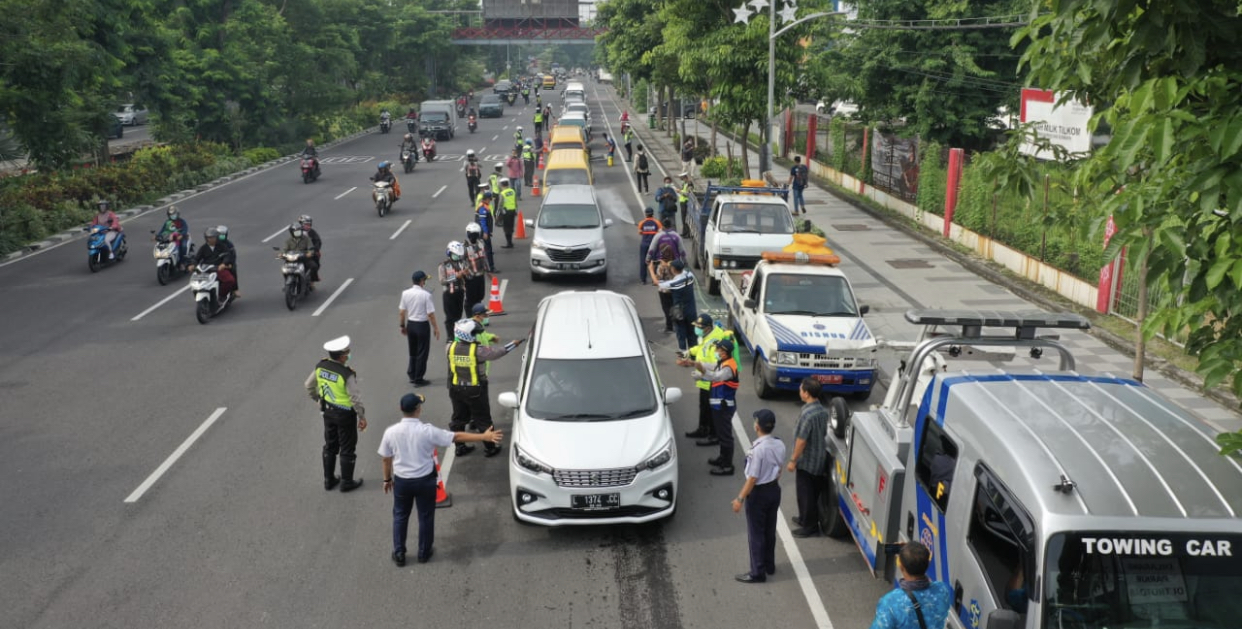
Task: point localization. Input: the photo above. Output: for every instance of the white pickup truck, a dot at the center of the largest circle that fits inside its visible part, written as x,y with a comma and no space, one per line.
736,225
797,315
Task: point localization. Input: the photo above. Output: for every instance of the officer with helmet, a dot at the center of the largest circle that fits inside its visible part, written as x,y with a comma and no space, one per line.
383,172
175,228
476,262
493,182
474,175
528,163
334,386
508,210
453,273
517,136
467,379
487,223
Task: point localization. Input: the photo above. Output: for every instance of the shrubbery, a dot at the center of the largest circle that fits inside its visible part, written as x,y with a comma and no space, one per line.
260,155
718,168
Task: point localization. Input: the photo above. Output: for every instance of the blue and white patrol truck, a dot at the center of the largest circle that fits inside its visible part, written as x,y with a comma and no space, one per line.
1049,499
797,315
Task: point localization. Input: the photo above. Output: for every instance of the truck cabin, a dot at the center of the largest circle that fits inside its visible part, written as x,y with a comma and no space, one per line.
798,294
752,218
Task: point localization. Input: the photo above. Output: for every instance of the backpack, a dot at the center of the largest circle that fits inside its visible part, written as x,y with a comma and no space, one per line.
642,162
801,176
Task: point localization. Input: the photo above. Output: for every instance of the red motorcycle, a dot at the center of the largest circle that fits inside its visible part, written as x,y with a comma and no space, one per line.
310,169
472,124
429,149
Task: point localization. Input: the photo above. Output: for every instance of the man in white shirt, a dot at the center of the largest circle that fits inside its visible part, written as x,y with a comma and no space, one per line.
408,450
418,323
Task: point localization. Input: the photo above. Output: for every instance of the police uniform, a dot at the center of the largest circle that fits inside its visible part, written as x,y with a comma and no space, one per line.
487,222
705,352
334,386
453,275
528,164
476,280
722,396
648,229
508,212
628,136
538,121
763,501
468,390
683,202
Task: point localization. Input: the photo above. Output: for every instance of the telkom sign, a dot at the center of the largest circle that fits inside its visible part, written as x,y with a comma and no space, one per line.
1064,125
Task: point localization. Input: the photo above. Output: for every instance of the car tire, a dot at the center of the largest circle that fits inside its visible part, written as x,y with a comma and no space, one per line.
830,520
764,390
535,277
838,417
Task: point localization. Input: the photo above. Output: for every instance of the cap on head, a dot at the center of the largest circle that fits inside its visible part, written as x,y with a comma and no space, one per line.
411,401
337,345
704,321
679,264
479,309
766,419
726,345
418,276
648,212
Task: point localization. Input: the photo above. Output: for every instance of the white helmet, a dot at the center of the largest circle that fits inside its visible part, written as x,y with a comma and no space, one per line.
465,330
473,228
519,127
456,250
469,152
499,165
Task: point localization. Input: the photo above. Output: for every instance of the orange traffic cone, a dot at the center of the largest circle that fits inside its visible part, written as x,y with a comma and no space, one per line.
540,165
443,499
521,226
494,305
534,189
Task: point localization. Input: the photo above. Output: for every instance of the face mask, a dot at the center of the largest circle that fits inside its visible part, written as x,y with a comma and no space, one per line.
486,320
698,332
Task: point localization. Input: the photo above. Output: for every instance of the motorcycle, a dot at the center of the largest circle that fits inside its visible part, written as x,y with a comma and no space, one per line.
429,149
385,125
472,124
511,97
97,248
205,285
408,158
461,111
381,193
310,169
168,257
297,276
411,125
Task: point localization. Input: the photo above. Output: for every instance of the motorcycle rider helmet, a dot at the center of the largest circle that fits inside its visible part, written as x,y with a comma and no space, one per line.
409,136
104,205
306,221
295,230
488,194
173,213
224,231
528,141
519,127
211,232
473,231
499,165
469,153
456,250
465,330
383,165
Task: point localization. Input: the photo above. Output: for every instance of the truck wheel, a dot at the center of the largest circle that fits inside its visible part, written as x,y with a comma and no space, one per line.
830,520
838,417
713,287
762,388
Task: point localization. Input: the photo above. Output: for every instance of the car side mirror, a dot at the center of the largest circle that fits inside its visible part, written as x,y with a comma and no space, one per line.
608,222
864,309
530,222
672,395
508,399
750,303
1004,619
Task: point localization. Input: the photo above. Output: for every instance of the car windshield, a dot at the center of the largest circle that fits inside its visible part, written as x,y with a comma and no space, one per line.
576,122
435,116
560,216
566,175
755,218
490,99
590,390
814,295
124,109
567,145
1127,580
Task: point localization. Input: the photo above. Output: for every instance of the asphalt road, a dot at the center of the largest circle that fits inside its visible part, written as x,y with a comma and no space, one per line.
238,532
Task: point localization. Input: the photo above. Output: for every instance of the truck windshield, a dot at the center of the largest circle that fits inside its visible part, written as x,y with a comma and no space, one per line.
1098,580
435,116
590,390
815,295
755,218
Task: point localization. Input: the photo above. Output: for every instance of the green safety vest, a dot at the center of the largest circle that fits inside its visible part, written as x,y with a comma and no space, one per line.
485,339
330,379
517,137
683,195
509,196
705,351
463,363
494,183
538,117
528,155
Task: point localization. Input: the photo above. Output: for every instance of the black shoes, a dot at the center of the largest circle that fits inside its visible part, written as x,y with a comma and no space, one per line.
508,246
722,470
350,485
422,382
797,519
805,531
427,557
398,557
490,450
710,441
747,577
697,433
716,461
330,483
770,571
464,448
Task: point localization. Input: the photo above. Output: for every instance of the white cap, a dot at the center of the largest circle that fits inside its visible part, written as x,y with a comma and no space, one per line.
337,345
504,180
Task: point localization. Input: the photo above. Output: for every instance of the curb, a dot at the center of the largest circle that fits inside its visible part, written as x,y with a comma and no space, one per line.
137,211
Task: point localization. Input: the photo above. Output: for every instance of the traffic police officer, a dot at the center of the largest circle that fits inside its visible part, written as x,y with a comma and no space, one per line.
334,386
508,210
762,496
493,181
709,334
683,202
468,382
487,222
648,229
722,395
538,120
517,137
528,163
476,262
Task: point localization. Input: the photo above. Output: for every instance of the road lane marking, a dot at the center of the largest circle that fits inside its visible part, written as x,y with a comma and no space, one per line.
504,284
325,305
338,197
278,232
629,172
400,229
495,137
505,128
161,302
439,191
818,612
172,458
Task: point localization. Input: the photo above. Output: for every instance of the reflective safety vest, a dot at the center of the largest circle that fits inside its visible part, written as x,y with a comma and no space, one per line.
517,137
528,155
463,364
683,195
538,117
494,183
648,228
705,351
330,379
629,136
724,393
509,196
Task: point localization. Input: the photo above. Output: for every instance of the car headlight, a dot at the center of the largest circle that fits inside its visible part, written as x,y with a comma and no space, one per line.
786,358
535,244
598,245
661,458
530,463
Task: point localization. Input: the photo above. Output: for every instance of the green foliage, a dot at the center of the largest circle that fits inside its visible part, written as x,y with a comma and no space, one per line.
836,135
260,155
1230,442
718,167
932,176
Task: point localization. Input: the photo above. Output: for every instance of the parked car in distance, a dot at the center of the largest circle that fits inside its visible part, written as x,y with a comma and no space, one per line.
838,108
131,114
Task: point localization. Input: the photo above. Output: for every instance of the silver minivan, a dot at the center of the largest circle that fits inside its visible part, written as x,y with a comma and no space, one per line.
569,234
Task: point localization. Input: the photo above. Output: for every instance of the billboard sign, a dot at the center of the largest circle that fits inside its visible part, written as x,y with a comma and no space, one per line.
1064,125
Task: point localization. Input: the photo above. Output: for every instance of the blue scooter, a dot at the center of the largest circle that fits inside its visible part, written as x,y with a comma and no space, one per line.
97,248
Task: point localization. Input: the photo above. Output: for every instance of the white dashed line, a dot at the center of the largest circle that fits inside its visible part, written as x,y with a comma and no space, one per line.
333,297
400,229
338,197
172,458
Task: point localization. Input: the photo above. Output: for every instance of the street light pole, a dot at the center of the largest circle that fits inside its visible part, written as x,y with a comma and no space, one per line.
765,154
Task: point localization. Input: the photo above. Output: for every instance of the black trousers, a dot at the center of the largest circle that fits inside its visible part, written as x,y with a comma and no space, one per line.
723,419
528,172
476,288
808,486
666,304
340,434
472,187
761,510
507,220
643,247
706,423
418,334
409,494
685,217
487,249
470,407
454,305
629,152
642,182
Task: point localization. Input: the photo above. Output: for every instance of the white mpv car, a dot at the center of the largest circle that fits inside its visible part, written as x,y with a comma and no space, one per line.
592,442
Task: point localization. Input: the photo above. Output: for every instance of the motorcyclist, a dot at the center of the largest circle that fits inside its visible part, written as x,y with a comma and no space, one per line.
474,174
220,254
429,147
107,218
383,172
316,243
385,116
176,229
471,113
298,241
411,120
410,143
517,137
223,230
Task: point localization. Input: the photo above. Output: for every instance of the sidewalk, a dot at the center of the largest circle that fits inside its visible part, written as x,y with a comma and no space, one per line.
892,272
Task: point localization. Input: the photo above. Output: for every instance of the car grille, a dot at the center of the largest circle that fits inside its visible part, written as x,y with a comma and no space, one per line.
568,255
595,478
820,361
628,511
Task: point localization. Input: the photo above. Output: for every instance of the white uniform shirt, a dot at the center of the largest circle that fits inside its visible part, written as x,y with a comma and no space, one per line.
417,303
411,444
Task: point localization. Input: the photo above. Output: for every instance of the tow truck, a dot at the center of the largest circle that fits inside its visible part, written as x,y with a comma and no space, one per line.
1049,499
797,315
736,225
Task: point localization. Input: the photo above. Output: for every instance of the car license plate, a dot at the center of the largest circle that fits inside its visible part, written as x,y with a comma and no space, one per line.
568,266
595,501
828,379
